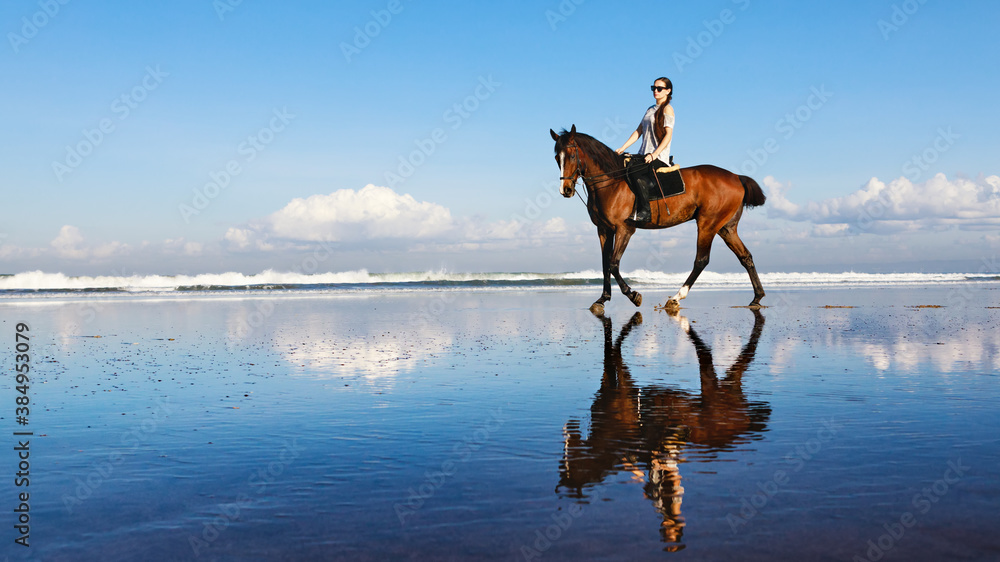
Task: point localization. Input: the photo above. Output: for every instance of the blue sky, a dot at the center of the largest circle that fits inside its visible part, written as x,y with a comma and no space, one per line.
880,118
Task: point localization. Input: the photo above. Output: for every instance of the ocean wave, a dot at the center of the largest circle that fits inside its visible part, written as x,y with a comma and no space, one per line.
270,280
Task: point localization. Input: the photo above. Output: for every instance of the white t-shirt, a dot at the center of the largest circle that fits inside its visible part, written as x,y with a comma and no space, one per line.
649,140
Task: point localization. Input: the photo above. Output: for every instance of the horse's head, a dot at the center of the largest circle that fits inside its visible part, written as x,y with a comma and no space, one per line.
568,158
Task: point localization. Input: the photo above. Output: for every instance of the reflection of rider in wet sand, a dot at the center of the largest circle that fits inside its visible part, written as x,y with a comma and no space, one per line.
644,430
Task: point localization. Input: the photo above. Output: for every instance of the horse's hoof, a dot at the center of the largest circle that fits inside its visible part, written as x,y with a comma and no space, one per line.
636,299
597,308
671,305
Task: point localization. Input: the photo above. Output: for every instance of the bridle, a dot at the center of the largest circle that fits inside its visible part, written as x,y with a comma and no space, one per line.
575,157
578,170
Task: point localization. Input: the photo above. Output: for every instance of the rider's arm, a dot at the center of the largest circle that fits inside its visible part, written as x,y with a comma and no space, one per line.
631,139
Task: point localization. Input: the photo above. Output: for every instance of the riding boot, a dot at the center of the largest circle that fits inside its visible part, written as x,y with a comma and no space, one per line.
642,213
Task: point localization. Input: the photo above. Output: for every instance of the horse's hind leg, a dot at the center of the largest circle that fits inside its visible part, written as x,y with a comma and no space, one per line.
624,234
732,239
707,229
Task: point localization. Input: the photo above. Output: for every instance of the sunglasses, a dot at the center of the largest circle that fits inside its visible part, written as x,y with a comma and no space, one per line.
658,88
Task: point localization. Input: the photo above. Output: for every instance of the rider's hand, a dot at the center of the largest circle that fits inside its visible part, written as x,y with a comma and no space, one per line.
649,158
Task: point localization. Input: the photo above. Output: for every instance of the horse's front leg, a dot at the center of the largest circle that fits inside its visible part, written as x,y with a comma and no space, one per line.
620,243
607,242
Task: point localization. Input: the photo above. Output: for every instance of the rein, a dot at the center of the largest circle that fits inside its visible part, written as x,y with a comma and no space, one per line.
615,174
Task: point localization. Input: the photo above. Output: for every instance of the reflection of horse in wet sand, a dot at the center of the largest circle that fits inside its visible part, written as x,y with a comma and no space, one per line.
645,430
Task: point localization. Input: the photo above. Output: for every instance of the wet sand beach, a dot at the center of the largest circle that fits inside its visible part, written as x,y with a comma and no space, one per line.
510,424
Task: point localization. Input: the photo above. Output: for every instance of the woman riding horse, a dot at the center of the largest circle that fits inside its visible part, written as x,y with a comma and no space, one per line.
656,131
713,197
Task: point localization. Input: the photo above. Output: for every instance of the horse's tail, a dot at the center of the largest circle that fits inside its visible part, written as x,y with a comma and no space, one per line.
753,195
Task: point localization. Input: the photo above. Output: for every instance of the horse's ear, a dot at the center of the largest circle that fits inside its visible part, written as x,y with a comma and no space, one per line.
573,130
555,137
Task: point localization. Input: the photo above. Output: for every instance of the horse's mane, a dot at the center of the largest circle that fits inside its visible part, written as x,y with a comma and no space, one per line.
605,158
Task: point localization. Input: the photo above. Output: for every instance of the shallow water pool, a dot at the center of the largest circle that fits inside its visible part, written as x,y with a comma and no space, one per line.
835,425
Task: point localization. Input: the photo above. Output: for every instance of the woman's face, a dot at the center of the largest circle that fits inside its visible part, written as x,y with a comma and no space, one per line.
660,94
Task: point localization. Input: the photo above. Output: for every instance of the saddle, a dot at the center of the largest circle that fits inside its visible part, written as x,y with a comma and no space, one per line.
655,180
651,182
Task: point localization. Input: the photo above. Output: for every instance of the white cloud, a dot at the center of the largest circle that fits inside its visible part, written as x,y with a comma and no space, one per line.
512,230
372,212
379,213
900,205
239,238
181,246
193,248
11,251
69,244
830,230
108,250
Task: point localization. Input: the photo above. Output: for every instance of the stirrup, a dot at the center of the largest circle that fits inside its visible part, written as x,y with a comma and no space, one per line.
635,216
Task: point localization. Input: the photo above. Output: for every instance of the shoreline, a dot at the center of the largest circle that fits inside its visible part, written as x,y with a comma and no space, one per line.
38,282
958,296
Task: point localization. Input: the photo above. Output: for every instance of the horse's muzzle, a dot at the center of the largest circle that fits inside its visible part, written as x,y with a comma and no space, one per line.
567,191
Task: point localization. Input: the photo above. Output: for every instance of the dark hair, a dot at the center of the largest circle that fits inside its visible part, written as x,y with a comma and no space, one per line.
659,123
669,84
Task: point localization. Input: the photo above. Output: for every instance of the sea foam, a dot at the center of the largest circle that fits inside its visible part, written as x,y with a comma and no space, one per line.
270,279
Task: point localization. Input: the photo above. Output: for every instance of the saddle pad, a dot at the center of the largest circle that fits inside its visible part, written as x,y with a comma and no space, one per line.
664,182
671,182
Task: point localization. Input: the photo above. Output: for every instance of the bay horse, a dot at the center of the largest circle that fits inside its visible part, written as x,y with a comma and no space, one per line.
713,197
